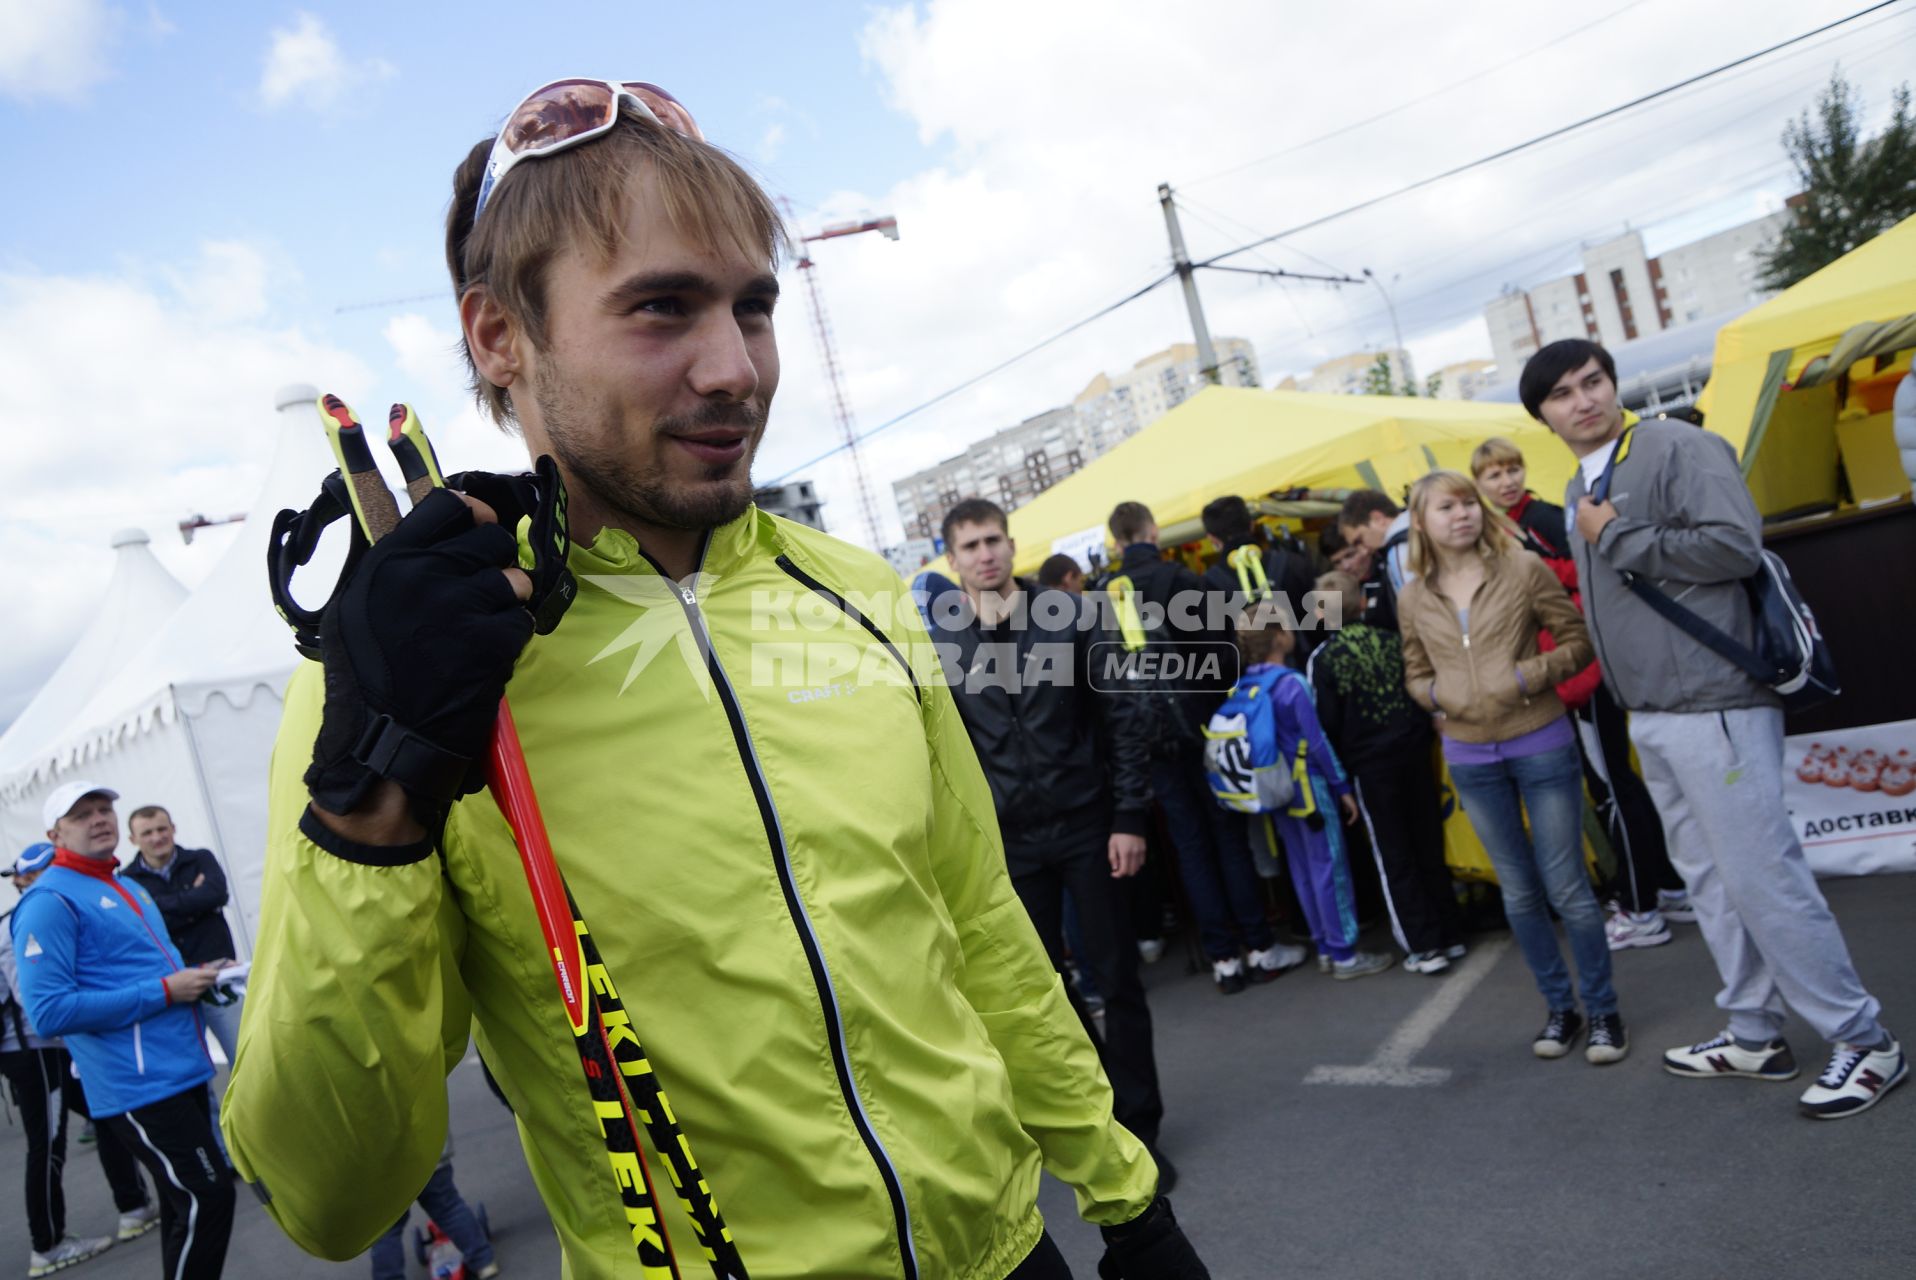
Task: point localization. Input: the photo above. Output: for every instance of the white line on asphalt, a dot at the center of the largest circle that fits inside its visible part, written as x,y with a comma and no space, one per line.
1390,1065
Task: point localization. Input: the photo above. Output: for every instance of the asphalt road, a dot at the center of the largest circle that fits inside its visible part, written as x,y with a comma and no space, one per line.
1497,1165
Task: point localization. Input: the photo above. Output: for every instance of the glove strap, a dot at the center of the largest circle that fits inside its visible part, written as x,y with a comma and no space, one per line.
424,771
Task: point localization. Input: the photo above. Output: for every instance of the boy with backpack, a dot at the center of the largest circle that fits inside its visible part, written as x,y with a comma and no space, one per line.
1384,739
1266,755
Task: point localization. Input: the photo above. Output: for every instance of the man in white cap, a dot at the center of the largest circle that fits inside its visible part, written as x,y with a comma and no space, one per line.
97,969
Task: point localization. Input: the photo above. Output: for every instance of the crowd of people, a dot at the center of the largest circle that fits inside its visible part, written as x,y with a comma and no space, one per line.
850,902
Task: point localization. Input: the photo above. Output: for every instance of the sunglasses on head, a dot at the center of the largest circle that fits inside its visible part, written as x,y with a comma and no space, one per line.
565,113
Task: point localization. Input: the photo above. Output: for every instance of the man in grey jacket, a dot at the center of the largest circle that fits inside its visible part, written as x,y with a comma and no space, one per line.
1668,503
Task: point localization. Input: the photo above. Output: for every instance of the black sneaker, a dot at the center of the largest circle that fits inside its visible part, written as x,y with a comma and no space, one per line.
1558,1034
1229,975
1608,1042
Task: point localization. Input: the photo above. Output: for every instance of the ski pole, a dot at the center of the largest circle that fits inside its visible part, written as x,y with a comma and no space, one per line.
610,1055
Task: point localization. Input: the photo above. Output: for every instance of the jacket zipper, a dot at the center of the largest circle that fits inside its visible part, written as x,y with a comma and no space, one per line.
844,607
801,919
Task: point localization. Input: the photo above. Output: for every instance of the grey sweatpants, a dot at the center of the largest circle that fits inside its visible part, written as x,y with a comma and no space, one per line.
1717,778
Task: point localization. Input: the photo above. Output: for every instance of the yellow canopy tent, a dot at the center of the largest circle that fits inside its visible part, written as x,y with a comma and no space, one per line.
1235,440
1764,395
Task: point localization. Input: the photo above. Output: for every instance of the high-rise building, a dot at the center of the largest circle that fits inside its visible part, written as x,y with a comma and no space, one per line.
1351,375
1623,294
1465,379
795,500
1016,464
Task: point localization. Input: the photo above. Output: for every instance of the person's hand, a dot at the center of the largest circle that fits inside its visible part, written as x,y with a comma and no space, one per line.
1348,803
1150,1247
199,879
418,645
1593,517
1126,853
188,985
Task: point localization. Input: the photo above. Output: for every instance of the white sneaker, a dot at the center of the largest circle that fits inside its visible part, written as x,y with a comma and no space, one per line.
1676,906
140,1221
1635,929
1456,951
1722,1056
1855,1080
1265,965
491,1269
1362,964
1426,962
69,1252
1150,950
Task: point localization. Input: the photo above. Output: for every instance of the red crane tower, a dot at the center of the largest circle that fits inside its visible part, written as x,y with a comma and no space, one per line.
828,353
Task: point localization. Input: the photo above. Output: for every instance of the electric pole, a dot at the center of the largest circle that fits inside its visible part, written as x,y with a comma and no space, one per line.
1187,277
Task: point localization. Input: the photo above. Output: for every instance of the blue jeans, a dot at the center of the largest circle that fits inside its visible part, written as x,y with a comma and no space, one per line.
1544,874
444,1205
1214,860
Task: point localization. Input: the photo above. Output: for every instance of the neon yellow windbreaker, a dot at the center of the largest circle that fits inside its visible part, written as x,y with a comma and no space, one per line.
963,1054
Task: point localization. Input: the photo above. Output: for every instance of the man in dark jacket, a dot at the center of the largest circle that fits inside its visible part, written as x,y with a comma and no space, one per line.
1668,504
190,889
1068,779
1213,846
1256,569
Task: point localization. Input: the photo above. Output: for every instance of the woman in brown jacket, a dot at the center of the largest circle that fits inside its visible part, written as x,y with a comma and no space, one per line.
1470,620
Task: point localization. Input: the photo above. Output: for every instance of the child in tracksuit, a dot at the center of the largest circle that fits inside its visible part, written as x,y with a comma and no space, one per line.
1309,830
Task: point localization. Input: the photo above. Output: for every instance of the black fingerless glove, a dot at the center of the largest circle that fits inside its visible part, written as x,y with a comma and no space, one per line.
1150,1247
418,644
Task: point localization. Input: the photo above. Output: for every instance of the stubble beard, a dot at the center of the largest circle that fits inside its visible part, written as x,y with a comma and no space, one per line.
596,461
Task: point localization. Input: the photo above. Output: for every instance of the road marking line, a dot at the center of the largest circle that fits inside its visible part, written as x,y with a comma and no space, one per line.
1390,1065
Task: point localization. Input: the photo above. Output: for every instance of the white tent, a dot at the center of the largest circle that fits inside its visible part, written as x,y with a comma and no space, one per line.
187,721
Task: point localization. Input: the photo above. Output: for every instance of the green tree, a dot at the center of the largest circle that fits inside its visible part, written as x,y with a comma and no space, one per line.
1853,189
1377,380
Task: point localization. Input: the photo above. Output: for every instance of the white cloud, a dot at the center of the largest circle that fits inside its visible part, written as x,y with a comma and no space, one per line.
55,50
304,66
770,142
132,399
463,438
1051,126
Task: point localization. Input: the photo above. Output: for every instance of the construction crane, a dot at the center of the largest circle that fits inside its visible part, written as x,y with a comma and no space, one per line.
828,353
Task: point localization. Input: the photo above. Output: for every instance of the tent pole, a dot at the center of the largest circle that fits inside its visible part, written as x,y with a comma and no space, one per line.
213,817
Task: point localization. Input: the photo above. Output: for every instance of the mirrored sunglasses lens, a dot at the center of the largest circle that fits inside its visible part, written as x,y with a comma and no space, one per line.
559,113
669,110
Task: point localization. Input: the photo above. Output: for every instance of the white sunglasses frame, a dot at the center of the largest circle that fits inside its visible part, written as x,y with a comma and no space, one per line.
502,158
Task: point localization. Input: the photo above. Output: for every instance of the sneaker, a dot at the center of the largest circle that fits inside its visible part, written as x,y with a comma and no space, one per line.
1855,1080
1362,964
1608,1041
1676,907
1426,962
69,1252
1456,951
1323,962
1265,965
1229,975
1635,929
140,1221
1558,1034
488,1271
1721,1055
1150,950
87,1137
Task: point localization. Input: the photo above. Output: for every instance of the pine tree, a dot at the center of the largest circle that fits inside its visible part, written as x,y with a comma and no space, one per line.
1853,189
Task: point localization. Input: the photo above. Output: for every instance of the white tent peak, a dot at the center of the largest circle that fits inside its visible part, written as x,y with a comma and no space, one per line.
295,394
140,596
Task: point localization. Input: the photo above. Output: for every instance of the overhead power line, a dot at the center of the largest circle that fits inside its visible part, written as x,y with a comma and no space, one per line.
976,378
1542,138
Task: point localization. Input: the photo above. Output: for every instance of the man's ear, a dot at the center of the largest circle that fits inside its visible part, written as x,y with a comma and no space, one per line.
492,336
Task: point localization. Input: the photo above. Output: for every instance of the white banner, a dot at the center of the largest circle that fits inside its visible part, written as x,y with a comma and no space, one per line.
1081,546
1852,797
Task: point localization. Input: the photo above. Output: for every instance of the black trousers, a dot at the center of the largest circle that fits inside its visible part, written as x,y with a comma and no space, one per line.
116,1161
174,1139
1111,953
1044,1262
37,1078
1397,794
1629,814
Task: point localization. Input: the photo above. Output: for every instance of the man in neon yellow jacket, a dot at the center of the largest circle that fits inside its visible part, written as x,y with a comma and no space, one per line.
759,792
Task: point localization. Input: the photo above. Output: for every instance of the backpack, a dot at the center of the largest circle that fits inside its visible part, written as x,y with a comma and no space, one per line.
1164,717
1788,653
1242,763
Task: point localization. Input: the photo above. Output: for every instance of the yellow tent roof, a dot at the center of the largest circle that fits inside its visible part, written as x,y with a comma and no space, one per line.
1874,282
1236,440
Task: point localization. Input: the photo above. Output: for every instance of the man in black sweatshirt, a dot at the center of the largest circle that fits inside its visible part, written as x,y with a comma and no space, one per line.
1384,740
1255,569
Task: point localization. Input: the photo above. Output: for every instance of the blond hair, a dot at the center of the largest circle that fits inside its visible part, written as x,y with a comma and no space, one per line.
580,198
1492,539
1494,452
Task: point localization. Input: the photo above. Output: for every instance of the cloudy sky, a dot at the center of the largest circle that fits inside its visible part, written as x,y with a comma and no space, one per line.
208,202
